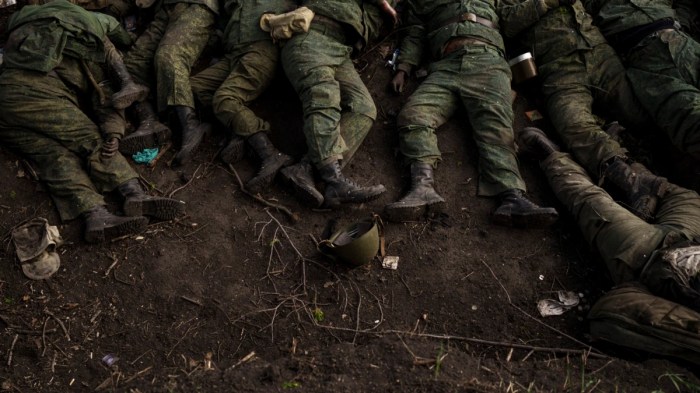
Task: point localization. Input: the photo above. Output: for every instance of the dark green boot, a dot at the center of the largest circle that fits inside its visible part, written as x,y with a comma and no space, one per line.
192,132
150,134
340,189
101,225
420,200
138,203
300,177
641,187
515,210
272,160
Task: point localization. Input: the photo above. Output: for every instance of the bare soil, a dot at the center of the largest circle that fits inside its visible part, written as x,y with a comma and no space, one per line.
235,297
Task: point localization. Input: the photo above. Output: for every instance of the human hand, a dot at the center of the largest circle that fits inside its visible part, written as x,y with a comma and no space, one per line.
399,81
389,10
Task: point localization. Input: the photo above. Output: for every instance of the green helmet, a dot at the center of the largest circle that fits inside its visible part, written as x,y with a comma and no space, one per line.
355,244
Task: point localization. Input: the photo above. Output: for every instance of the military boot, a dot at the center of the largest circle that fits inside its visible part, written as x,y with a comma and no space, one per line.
101,225
340,189
234,150
130,91
150,134
642,188
420,200
300,177
272,160
535,142
192,132
515,210
138,203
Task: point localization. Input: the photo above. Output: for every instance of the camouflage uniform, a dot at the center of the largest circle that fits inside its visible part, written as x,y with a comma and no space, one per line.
475,78
625,241
663,64
688,13
247,69
47,57
338,108
577,66
170,46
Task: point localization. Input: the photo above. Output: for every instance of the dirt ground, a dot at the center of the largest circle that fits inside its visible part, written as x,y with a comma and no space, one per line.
235,297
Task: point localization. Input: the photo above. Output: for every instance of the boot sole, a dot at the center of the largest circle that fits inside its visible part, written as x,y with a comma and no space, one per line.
160,208
413,213
132,145
260,182
183,155
337,201
130,227
531,220
233,152
125,101
311,197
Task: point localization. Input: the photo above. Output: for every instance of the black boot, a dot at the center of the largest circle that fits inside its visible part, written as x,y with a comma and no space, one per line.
272,160
138,203
300,177
340,189
150,134
535,142
641,187
515,210
192,132
130,91
101,225
420,200
234,151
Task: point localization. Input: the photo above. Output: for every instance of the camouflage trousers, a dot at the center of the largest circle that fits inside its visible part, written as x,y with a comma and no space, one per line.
665,76
338,108
476,80
40,119
573,85
163,55
623,240
230,85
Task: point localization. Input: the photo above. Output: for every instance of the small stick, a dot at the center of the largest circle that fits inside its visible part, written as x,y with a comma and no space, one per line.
60,323
193,301
109,269
12,348
140,356
194,175
292,216
138,374
245,358
162,151
43,336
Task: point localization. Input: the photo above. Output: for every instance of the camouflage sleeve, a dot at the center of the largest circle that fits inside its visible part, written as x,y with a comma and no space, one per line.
115,31
518,15
413,44
593,6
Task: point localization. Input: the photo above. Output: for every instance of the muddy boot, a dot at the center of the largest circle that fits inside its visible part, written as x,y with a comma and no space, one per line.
515,210
300,177
535,142
192,132
130,91
150,134
420,200
234,151
340,189
641,187
272,160
101,225
138,203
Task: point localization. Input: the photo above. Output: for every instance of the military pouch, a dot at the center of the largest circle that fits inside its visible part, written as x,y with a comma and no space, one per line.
284,26
630,316
355,244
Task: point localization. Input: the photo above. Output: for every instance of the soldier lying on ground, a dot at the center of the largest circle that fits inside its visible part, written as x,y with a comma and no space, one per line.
577,69
246,71
51,66
163,57
468,71
338,108
663,63
663,256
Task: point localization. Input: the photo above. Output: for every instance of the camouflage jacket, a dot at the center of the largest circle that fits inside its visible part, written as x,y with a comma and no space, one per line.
213,5
560,32
615,16
41,35
363,16
244,25
427,25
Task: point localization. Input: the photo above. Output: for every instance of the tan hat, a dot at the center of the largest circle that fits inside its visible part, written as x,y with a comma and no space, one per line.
42,267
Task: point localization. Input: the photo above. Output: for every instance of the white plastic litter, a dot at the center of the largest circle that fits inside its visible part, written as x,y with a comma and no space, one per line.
550,307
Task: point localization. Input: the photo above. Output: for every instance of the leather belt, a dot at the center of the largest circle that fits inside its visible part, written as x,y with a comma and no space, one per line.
468,16
458,43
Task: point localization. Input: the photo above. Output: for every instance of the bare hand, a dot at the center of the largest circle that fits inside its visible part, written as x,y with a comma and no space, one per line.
389,10
399,81
110,148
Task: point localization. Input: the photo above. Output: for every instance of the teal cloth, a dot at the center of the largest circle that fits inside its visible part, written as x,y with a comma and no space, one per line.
145,156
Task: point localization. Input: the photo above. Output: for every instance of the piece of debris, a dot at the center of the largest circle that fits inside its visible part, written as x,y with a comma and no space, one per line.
390,262
35,245
145,156
550,307
109,360
7,3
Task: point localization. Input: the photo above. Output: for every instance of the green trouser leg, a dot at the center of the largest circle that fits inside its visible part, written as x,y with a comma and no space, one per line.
623,240
478,78
665,75
570,85
64,145
354,127
323,75
170,46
